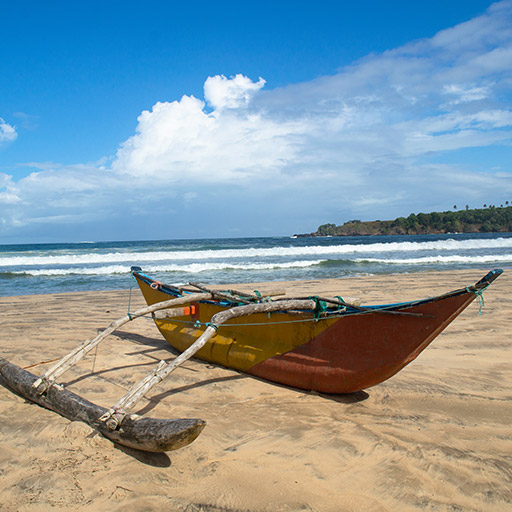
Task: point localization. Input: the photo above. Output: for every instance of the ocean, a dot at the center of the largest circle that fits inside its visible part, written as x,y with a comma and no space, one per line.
68,267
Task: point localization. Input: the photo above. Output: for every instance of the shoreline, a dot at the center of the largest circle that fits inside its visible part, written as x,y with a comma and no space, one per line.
106,266
436,434
333,283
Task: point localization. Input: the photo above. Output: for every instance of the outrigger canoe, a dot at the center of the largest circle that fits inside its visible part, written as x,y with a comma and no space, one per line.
314,343
325,345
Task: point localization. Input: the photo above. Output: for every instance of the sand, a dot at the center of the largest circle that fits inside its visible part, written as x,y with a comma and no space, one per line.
437,436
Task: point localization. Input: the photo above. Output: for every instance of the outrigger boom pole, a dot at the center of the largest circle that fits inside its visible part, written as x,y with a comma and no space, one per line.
149,434
48,378
116,413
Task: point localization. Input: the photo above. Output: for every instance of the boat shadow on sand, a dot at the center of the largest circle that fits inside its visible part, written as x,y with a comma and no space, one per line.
343,398
155,345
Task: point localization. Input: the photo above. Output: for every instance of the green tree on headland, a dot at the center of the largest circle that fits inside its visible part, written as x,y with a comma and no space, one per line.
327,229
478,220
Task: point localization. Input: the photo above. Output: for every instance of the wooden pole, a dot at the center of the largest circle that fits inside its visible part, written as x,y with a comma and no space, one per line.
48,378
234,295
115,415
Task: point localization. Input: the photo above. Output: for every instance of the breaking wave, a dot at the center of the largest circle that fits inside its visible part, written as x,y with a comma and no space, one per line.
33,268
193,268
141,257
490,258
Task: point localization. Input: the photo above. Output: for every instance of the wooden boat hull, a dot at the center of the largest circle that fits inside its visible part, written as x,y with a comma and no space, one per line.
343,353
360,351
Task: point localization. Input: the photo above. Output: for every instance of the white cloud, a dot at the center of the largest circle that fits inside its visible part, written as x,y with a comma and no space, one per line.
466,94
221,92
357,143
484,120
7,190
5,179
7,132
179,141
28,121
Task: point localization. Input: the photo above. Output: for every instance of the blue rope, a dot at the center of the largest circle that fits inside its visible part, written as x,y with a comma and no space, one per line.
198,324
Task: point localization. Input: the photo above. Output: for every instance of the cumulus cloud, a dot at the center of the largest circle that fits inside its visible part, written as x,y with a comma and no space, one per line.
7,132
357,143
438,94
221,92
179,141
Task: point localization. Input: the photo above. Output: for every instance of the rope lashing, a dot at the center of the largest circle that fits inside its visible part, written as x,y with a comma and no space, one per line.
198,324
41,362
320,308
259,299
479,297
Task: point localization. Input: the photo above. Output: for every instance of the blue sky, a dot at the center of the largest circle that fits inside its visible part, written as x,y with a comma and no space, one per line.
130,120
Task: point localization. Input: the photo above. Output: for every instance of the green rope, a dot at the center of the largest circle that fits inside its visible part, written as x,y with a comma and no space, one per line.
479,297
340,306
260,299
321,306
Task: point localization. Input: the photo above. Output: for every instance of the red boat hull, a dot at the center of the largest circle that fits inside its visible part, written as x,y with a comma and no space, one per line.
360,351
341,352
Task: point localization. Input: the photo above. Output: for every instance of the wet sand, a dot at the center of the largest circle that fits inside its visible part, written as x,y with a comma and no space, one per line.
437,436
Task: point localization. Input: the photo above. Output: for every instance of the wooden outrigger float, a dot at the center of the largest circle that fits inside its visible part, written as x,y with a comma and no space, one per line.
314,343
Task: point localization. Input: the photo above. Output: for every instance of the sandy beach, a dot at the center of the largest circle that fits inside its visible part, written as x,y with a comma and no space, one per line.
437,436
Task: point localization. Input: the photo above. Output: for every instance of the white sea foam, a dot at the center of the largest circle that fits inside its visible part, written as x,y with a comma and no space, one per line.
135,257
490,258
192,268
